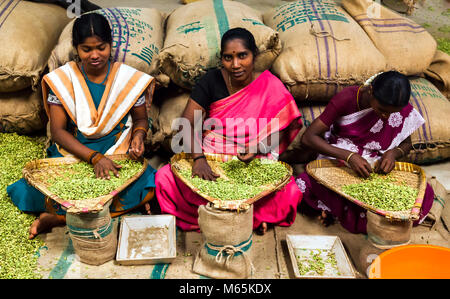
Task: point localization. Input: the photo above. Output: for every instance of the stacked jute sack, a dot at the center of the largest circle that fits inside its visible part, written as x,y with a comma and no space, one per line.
328,46
193,34
28,33
431,142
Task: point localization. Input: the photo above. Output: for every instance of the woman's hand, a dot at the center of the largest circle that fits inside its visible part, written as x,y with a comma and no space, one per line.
246,157
202,169
387,162
360,165
136,149
104,166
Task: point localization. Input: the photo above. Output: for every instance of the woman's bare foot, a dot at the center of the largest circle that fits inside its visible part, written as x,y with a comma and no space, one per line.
326,219
45,222
262,229
147,208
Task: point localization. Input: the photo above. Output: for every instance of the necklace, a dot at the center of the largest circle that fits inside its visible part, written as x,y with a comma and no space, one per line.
357,98
86,77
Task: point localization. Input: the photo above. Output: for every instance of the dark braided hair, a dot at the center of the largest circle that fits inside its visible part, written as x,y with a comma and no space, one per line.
392,88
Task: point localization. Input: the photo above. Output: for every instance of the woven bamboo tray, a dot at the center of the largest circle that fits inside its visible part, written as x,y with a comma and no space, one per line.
184,161
334,174
36,169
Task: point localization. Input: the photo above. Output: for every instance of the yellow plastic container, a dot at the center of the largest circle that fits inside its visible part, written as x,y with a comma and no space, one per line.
412,262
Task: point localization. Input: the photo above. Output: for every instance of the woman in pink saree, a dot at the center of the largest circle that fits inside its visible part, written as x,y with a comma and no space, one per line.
245,114
368,127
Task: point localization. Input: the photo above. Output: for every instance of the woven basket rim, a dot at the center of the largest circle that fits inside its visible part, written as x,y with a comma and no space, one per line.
240,204
412,214
91,205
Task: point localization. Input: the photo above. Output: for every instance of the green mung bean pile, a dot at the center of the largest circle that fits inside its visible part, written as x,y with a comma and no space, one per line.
78,181
383,192
244,180
18,258
317,262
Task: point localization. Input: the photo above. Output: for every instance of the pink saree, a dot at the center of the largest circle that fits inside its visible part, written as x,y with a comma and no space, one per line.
244,119
367,134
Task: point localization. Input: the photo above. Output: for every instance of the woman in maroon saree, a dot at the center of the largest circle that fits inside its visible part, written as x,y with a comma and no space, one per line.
369,128
245,114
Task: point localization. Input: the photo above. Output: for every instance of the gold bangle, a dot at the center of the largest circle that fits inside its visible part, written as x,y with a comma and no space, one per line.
348,158
97,158
139,128
403,153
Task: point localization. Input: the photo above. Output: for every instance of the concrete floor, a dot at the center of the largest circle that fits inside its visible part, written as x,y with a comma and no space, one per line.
269,252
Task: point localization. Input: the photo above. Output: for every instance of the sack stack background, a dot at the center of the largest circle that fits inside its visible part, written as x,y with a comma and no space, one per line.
316,49
28,33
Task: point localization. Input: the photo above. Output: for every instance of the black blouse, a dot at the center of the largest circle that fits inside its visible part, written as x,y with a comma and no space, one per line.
209,88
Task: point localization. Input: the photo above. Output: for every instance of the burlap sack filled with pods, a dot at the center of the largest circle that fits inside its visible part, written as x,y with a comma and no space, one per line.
171,107
28,33
22,111
193,35
324,49
137,34
406,46
438,72
431,142
226,252
93,235
441,198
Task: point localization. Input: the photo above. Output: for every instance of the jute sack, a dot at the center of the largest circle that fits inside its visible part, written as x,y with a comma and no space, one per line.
137,33
93,236
385,233
309,114
28,33
226,252
172,103
194,32
438,72
441,197
406,46
431,142
22,111
324,49
153,115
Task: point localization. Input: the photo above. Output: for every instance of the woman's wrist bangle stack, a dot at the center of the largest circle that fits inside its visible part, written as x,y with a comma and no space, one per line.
140,128
95,157
349,156
199,157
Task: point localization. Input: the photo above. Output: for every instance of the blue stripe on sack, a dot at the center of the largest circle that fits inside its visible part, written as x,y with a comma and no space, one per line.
64,262
221,15
317,42
88,232
10,11
128,34
119,40
245,248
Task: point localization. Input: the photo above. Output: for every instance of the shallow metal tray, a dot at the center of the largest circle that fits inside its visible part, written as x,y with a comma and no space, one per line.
332,243
139,223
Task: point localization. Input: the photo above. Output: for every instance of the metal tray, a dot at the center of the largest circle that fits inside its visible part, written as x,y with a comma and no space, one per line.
149,239
333,244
